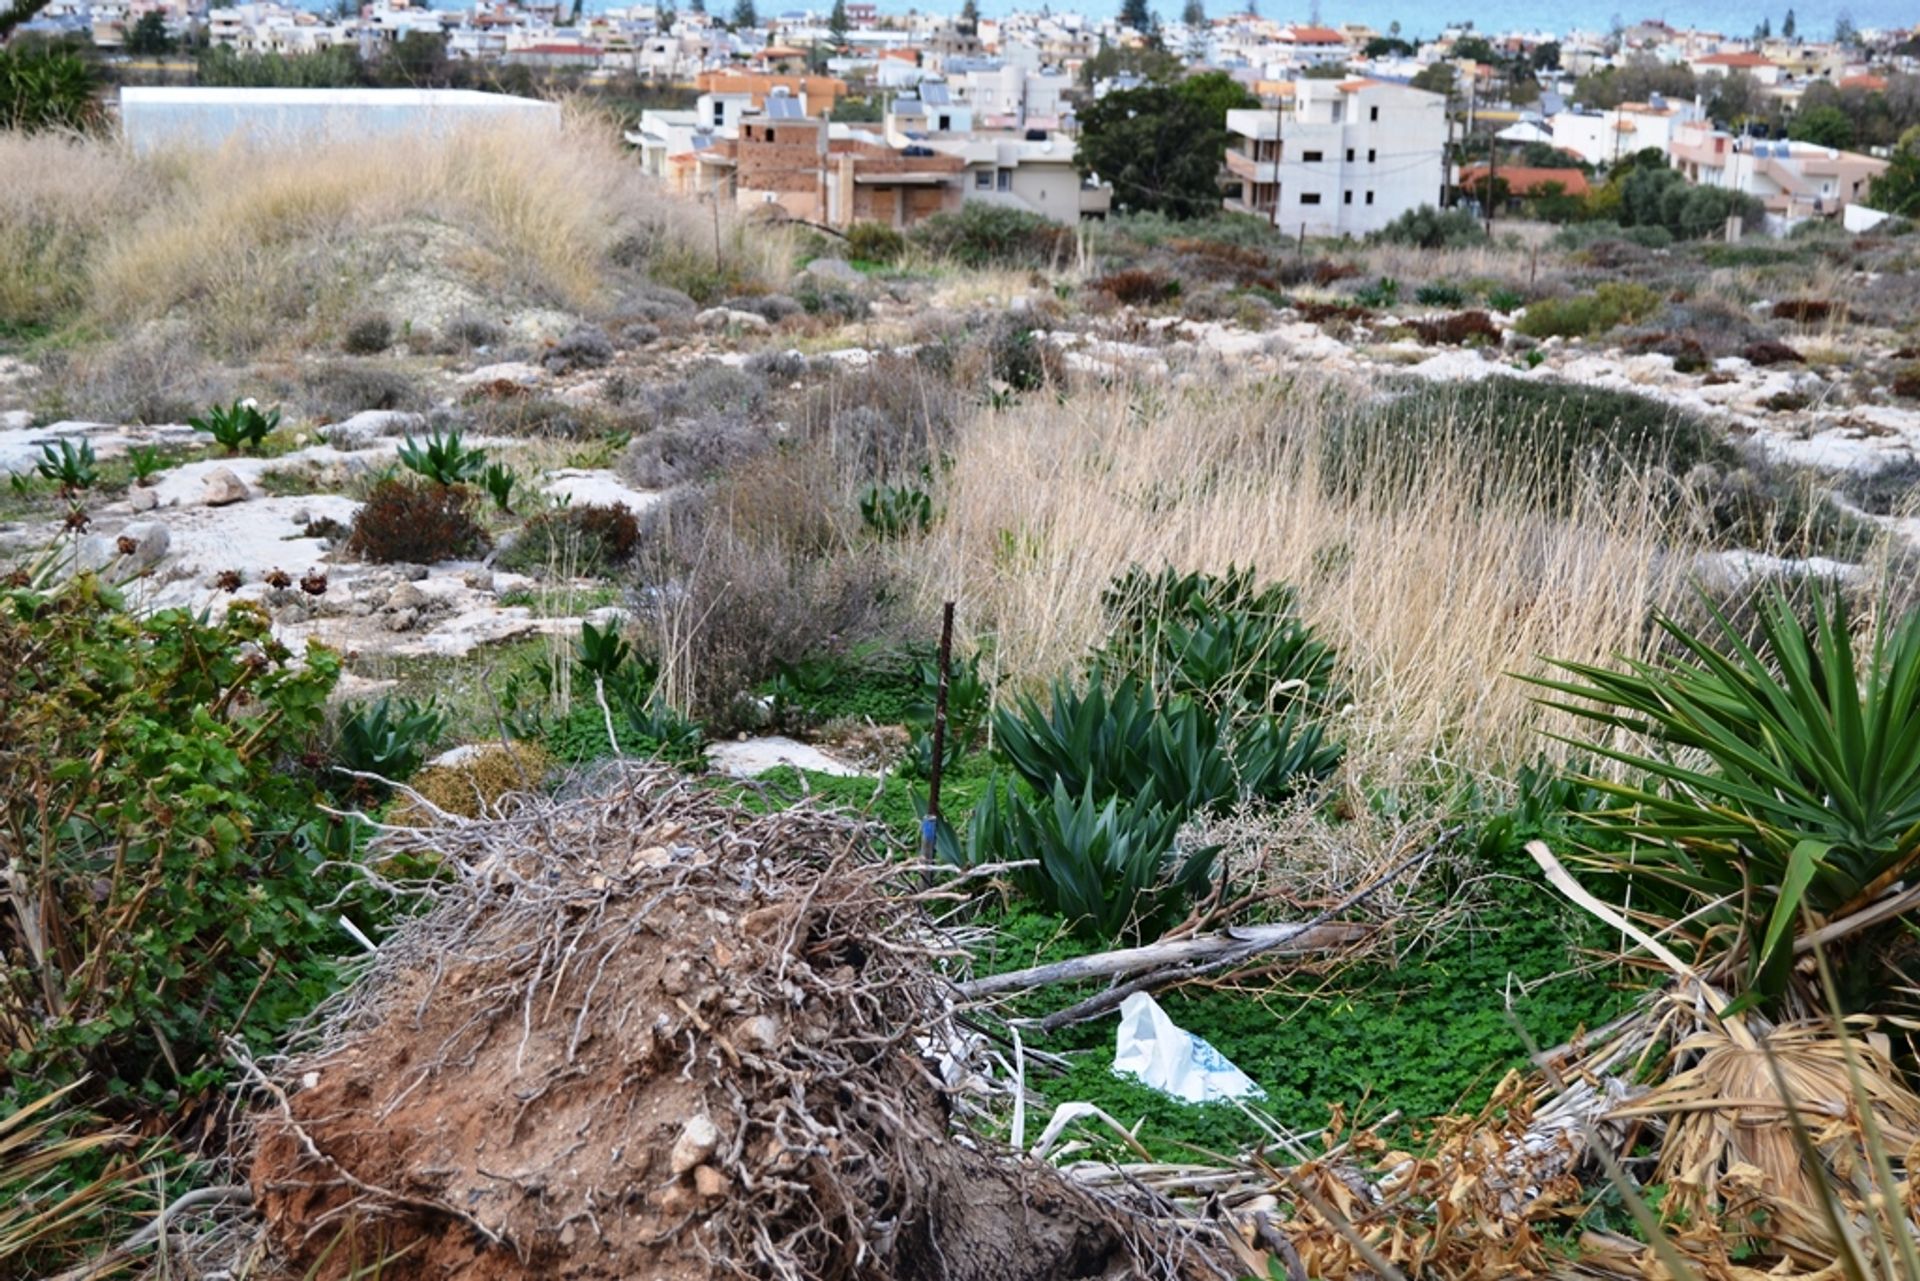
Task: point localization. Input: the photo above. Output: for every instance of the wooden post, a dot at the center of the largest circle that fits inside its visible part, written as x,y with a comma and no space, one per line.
931,823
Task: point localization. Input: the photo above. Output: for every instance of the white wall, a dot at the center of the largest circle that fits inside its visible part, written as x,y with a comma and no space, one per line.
158,118
1397,158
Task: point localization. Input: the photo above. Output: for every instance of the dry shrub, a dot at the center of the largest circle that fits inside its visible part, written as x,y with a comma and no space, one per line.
1458,329
685,452
342,388
1689,355
646,1034
158,375
1906,381
592,538
473,785
1808,311
1136,286
368,334
1770,351
60,197
406,523
1432,593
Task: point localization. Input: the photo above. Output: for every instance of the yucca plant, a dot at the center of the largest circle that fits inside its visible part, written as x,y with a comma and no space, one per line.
389,736
1776,777
239,426
70,466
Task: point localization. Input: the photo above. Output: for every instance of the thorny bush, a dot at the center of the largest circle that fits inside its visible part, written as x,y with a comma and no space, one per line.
416,524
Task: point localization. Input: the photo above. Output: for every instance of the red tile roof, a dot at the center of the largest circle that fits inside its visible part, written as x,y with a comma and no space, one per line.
1522,181
1313,35
1733,60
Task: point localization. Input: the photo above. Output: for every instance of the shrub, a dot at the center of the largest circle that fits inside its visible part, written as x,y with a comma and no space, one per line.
388,736
1585,235
1137,287
1807,311
164,830
584,347
473,786
1459,329
982,235
669,456
237,427
1504,299
498,480
1689,356
465,330
342,388
71,467
1610,304
773,308
368,334
1431,228
895,511
1782,779
1906,381
875,242
830,298
443,460
591,540
416,524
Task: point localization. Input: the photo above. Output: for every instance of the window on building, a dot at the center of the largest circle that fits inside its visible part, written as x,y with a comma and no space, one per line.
1004,180
719,113
1346,197
1349,155
769,135
946,123
1309,197
1369,197
1371,155
1373,113
1311,157
983,180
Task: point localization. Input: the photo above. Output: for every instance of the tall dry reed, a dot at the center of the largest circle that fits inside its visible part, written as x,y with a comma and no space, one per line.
1434,587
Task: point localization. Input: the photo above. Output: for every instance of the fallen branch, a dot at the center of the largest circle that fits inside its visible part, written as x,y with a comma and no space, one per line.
1160,965
1289,939
114,1259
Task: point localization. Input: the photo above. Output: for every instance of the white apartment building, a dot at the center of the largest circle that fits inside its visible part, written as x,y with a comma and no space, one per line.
1602,137
1794,180
1346,159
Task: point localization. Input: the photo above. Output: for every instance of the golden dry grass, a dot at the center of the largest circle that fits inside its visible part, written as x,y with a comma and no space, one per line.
268,248
1433,596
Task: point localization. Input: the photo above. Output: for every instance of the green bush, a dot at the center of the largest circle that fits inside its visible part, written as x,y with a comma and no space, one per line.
416,524
46,88
1440,294
896,511
980,235
165,829
1431,228
1610,304
389,736
1382,293
443,460
237,427
875,242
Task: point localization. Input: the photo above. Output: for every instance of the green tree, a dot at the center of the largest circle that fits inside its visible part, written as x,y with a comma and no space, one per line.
1441,78
969,24
1474,49
17,13
837,22
1160,147
1788,28
1734,98
1112,60
1545,57
1897,191
1844,32
1387,47
1765,30
696,6
744,15
1194,14
1822,126
1135,14
149,37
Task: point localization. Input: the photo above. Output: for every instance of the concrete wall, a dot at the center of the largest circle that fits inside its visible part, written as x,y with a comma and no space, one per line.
158,118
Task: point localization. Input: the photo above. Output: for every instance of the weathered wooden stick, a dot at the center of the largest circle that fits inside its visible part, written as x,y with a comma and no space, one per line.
1288,939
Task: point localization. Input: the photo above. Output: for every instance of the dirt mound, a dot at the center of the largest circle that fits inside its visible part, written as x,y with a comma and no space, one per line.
647,1035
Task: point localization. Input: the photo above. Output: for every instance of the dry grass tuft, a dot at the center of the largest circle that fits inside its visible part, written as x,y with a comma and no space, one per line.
1433,593
271,249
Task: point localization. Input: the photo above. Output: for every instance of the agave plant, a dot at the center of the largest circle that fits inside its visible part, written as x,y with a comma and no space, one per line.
1778,777
443,459
1108,867
390,736
239,426
70,466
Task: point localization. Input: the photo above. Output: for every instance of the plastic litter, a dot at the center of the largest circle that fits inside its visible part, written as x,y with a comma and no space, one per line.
1167,1057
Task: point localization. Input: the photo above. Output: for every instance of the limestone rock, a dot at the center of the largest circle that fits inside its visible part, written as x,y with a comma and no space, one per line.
222,488
834,269
718,319
698,1139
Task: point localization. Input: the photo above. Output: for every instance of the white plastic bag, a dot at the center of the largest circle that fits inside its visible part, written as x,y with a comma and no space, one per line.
1171,1059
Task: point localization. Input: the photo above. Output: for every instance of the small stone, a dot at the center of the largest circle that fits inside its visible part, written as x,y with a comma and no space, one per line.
479,580
678,1200
223,488
710,1183
290,614
405,596
142,500
759,1033
412,573
402,620
699,1137
301,516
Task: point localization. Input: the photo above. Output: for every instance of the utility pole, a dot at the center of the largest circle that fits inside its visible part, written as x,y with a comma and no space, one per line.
1493,166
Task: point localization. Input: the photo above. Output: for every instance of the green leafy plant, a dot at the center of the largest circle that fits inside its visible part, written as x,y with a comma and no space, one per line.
1610,304
389,736
875,242
237,427
896,511
1440,294
165,835
68,465
498,480
592,538
146,461
602,652
443,460
969,702
1504,299
1779,778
